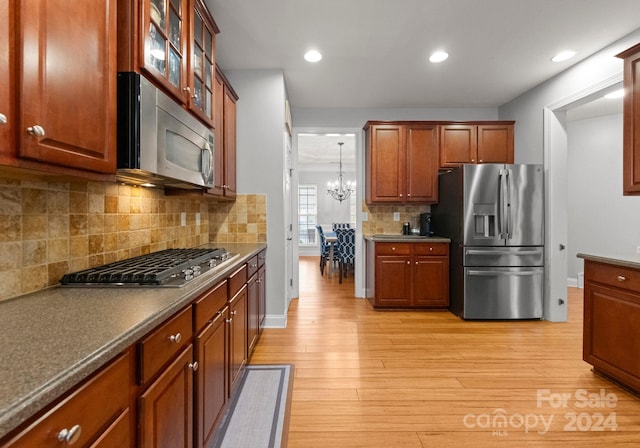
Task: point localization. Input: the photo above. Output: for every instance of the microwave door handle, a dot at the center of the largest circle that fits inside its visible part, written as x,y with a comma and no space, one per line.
207,163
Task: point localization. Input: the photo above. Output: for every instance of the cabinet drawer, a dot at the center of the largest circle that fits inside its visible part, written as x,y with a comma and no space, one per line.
252,266
393,249
431,249
616,276
96,405
163,343
237,280
207,305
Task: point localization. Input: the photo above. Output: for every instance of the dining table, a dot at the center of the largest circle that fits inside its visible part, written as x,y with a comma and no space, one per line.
331,239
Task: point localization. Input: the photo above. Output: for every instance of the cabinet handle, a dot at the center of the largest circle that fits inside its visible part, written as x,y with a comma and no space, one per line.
175,337
70,436
258,280
621,278
234,312
36,131
193,365
254,265
187,89
229,320
3,119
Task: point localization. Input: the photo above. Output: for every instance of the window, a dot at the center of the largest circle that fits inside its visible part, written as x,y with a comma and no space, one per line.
307,215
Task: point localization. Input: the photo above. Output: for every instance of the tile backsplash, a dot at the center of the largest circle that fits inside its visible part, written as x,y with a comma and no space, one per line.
50,228
381,217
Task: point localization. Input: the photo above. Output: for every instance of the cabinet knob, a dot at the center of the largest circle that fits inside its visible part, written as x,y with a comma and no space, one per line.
431,249
234,312
70,436
408,195
393,248
3,119
229,320
621,278
408,262
193,365
36,131
400,194
175,338
187,89
480,160
416,263
473,160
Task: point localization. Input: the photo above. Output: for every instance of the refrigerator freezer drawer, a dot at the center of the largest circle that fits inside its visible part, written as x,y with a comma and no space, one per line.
504,256
503,293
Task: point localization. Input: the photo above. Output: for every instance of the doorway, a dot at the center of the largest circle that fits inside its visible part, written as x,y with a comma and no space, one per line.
317,160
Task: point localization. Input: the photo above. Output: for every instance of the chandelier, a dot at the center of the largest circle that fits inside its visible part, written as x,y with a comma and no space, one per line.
339,190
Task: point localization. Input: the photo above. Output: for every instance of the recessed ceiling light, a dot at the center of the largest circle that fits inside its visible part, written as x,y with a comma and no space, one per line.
615,94
312,56
438,56
563,56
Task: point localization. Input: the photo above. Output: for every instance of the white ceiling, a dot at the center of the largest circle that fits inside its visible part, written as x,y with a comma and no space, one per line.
320,152
375,51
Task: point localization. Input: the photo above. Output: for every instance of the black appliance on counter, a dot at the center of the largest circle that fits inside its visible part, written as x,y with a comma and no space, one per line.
425,224
165,268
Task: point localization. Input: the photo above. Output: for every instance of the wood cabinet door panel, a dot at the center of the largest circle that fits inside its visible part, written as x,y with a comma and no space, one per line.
495,143
458,145
431,282
253,304
218,125
165,409
238,335
386,159
67,62
262,301
610,332
117,435
7,80
422,164
393,281
211,376
229,143
631,151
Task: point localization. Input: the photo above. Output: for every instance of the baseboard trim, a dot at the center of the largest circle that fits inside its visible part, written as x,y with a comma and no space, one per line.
275,321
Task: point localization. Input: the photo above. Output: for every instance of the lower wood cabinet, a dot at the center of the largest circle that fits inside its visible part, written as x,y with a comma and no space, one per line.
165,409
77,419
408,275
611,336
169,389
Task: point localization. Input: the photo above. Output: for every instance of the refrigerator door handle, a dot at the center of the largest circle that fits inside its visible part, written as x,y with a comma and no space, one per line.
501,193
505,273
503,252
509,208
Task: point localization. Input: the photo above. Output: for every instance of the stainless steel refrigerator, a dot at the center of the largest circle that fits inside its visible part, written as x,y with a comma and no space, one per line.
494,216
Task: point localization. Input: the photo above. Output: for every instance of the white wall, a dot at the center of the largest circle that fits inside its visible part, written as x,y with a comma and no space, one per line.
540,137
601,219
260,167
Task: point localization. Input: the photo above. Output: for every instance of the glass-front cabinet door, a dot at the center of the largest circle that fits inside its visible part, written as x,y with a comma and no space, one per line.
165,25
202,67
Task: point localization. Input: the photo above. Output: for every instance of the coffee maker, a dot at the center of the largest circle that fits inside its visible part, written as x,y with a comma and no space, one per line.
425,224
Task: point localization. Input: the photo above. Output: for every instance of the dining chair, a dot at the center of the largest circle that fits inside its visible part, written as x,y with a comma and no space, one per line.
325,249
346,248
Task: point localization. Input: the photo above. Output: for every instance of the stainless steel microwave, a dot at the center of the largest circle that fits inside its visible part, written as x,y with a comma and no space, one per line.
159,142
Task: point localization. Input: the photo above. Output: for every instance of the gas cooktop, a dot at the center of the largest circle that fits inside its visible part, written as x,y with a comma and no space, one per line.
166,268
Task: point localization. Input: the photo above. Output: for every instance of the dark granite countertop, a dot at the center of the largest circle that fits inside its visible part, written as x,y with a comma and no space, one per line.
380,238
629,261
53,339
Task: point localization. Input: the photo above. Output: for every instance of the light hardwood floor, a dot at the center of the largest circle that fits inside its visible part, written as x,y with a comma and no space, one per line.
366,378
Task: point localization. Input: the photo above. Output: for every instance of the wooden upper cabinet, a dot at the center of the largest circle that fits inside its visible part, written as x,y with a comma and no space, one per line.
7,117
495,143
422,163
402,162
202,65
631,140
385,162
224,176
164,44
476,143
67,83
458,144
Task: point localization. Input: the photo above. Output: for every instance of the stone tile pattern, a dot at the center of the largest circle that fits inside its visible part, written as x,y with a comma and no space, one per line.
242,221
381,217
50,228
